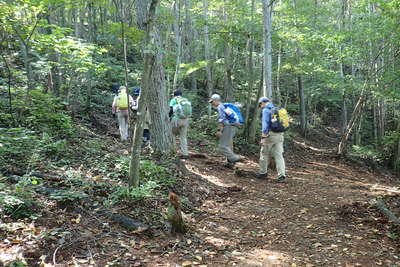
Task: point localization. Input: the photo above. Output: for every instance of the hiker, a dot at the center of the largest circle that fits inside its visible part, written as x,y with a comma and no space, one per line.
120,107
180,112
115,88
271,143
226,131
147,118
136,94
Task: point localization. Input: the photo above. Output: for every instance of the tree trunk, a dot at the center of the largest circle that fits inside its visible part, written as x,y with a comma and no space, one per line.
145,21
278,97
396,163
10,110
253,125
303,121
207,54
250,76
190,46
267,33
178,41
342,147
228,88
158,106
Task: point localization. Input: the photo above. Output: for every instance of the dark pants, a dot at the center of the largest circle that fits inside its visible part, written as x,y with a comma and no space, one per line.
146,135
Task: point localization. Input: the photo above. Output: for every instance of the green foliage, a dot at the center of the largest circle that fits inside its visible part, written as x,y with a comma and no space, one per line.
154,179
16,145
145,190
18,201
17,263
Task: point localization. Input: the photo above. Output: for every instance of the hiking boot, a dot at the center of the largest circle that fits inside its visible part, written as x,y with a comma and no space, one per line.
229,164
261,175
281,179
235,160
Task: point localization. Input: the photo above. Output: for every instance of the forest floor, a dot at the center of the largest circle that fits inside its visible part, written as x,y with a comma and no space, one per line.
322,216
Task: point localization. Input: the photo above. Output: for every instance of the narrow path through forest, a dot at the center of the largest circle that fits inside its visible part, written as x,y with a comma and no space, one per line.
321,216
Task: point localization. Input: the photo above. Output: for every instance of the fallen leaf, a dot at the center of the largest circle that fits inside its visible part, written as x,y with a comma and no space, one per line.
317,245
186,263
303,210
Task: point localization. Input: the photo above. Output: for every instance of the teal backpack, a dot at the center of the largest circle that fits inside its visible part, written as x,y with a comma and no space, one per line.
184,108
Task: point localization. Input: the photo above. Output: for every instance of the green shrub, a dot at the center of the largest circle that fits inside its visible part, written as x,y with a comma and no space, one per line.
16,146
18,202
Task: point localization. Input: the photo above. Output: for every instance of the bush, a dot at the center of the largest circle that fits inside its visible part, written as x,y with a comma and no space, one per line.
152,177
18,202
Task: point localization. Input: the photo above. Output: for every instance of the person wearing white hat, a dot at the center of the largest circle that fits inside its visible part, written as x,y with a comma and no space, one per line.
226,132
271,143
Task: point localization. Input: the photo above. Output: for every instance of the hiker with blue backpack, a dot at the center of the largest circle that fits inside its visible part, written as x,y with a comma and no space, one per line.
274,122
229,118
180,112
120,107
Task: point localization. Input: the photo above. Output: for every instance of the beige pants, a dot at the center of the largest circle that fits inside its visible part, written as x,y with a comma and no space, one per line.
180,128
272,147
226,142
123,122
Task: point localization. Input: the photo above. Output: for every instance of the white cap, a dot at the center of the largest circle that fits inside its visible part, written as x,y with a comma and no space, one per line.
215,97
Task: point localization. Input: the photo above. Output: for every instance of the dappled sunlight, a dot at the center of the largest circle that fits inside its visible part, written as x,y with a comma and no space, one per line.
264,257
316,149
209,177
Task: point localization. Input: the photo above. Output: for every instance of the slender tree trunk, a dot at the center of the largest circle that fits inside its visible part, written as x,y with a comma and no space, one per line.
145,20
342,147
158,106
396,163
190,46
250,76
253,125
178,41
278,99
207,54
228,88
267,33
10,109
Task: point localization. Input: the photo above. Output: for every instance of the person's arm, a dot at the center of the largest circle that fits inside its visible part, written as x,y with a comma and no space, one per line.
131,101
221,119
266,118
171,107
114,105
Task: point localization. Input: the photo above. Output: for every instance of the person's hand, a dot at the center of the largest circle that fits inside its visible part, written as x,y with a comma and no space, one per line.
219,133
263,140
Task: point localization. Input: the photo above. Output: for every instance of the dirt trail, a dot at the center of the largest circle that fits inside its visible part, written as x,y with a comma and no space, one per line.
320,217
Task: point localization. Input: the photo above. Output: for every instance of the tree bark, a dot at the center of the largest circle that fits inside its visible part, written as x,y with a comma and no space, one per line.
342,147
158,106
228,87
396,163
253,125
145,20
207,54
178,41
267,53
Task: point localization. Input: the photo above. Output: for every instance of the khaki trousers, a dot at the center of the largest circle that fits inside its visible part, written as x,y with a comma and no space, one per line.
180,128
272,146
123,122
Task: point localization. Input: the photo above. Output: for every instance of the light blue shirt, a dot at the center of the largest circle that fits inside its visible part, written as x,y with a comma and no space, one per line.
266,118
221,114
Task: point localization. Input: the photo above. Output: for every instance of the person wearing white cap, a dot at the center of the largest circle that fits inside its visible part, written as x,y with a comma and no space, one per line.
271,143
226,132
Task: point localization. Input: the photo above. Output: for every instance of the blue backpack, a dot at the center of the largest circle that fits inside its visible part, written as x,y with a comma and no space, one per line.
233,114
